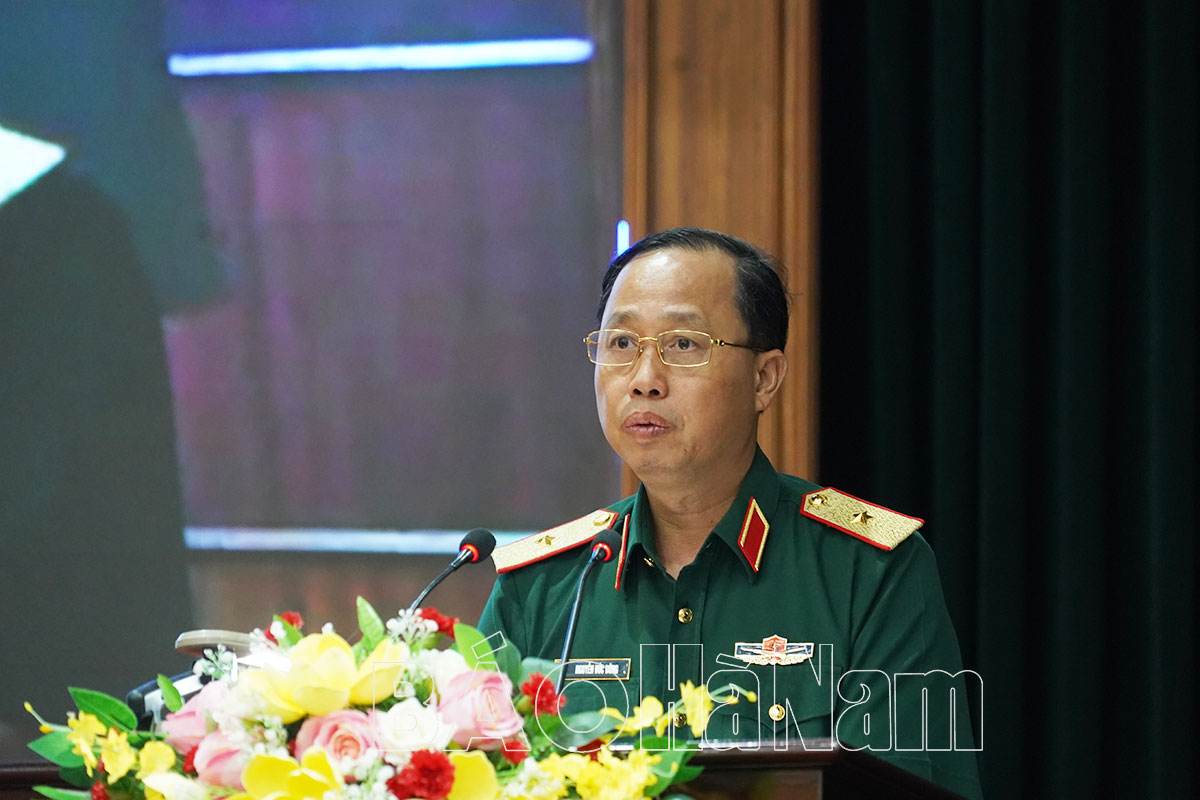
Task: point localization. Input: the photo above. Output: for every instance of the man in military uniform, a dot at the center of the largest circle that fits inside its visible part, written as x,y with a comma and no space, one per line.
828,608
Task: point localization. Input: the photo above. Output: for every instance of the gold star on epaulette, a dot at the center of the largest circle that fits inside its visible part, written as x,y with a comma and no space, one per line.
532,549
873,524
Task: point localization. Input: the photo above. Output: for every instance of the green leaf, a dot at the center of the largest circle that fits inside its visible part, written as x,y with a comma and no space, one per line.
171,697
543,726
688,773
532,665
108,709
61,794
76,776
55,748
474,649
291,634
508,660
370,624
579,729
670,769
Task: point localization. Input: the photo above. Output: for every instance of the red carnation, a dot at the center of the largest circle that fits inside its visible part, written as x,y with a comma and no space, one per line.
428,774
445,624
515,751
99,791
540,690
189,760
291,618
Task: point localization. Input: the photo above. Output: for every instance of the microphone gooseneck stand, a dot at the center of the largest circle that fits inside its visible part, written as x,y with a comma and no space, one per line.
603,547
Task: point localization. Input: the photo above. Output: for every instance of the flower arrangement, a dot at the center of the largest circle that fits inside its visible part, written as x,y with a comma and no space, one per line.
420,706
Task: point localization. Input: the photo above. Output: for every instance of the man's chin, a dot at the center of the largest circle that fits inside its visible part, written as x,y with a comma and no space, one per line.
648,467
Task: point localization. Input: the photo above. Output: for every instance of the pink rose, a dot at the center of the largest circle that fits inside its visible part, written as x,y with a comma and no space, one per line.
219,762
186,727
479,706
344,735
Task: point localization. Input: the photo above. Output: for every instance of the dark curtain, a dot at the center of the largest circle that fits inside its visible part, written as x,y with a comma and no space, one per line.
1009,350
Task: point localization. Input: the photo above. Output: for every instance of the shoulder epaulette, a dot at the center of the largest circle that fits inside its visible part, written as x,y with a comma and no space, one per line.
873,524
539,546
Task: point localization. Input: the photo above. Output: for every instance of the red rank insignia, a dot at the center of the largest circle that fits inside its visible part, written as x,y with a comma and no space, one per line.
753,538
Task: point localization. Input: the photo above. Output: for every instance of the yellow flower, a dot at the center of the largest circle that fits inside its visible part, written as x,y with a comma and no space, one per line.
377,675
155,757
118,756
286,779
650,712
697,704
566,767
613,778
42,726
474,776
319,680
84,730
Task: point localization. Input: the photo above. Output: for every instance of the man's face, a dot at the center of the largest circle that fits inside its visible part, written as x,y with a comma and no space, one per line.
673,423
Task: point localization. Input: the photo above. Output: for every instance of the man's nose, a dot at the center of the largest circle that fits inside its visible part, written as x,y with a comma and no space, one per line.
649,378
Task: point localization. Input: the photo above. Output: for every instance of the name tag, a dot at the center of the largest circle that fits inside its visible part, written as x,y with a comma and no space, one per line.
597,669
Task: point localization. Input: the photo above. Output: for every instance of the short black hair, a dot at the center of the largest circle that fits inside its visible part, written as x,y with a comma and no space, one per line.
760,290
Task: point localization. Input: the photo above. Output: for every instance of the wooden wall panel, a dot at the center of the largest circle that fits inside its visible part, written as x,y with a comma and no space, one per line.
721,132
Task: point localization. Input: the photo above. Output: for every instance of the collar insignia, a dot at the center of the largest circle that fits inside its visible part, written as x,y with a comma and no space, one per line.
753,539
773,650
621,555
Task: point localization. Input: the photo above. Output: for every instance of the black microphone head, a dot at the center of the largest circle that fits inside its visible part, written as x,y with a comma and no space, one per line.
480,542
607,543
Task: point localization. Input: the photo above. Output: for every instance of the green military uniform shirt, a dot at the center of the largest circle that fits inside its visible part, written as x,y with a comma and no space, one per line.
767,572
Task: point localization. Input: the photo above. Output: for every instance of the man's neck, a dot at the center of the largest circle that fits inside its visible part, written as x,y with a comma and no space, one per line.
686,511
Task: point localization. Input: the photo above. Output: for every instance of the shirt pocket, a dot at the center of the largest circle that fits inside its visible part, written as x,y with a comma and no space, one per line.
790,703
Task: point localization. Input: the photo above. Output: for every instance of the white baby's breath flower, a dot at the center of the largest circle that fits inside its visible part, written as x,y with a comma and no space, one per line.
531,781
217,663
240,706
410,625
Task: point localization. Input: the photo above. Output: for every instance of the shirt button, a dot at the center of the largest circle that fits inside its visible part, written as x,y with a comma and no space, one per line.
680,719
685,615
777,712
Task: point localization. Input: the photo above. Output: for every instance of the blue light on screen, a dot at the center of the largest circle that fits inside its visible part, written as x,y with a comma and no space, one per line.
622,236
449,55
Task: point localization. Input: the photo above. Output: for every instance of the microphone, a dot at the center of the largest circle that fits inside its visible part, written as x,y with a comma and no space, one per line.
477,545
604,545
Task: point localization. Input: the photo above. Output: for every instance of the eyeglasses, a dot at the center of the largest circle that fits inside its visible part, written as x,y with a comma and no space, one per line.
616,348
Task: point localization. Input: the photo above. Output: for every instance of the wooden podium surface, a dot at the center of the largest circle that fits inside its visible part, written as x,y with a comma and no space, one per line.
764,774
823,771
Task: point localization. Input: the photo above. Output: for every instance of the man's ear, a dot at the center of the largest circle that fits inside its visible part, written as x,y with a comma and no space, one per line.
770,369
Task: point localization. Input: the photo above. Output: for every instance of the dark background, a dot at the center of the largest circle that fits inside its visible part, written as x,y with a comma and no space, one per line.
1008,334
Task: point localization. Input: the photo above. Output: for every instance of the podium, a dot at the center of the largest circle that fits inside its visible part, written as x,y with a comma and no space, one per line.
764,774
824,771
